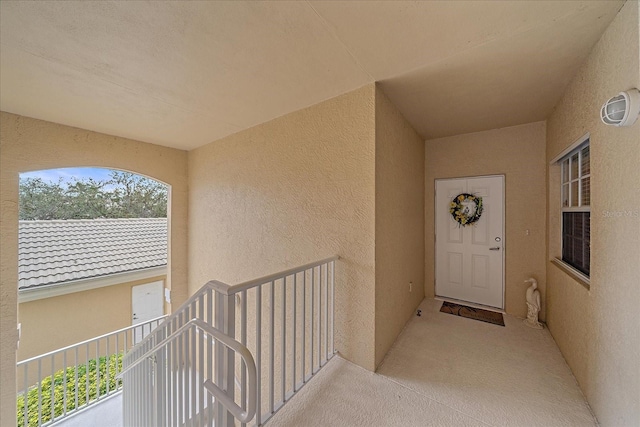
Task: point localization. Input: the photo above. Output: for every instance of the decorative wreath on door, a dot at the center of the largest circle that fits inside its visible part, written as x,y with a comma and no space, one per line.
466,208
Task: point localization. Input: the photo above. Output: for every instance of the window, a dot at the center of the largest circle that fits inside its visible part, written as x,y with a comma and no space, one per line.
576,210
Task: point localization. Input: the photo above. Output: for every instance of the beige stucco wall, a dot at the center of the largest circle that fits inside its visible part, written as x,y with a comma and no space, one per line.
518,152
597,330
27,144
291,191
399,217
51,323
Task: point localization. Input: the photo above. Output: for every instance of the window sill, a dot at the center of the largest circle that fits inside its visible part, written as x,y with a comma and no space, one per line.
576,275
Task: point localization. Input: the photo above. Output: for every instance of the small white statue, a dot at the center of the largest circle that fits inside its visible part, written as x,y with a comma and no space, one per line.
533,304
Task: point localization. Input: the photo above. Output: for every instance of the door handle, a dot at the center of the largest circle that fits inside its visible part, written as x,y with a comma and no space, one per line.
495,248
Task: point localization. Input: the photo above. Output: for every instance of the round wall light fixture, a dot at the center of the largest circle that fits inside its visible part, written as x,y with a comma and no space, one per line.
622,109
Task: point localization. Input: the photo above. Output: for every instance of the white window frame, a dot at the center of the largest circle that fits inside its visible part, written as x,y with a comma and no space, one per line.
568,153
567,162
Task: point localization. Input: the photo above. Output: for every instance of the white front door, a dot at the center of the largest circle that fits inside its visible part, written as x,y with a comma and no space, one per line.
470,259
146,304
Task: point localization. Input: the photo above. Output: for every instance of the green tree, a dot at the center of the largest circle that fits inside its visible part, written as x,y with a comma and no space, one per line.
135,196
86,199
123,195
42,200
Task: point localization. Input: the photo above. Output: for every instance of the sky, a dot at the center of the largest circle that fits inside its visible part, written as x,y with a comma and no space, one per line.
52,175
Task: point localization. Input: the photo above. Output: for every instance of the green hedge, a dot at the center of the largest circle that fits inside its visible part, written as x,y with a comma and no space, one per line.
114,365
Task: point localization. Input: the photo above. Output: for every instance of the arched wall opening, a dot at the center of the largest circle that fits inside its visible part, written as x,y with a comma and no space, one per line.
93,250
28,144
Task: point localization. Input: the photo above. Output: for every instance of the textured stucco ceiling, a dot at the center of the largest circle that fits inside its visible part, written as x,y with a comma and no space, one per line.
183,74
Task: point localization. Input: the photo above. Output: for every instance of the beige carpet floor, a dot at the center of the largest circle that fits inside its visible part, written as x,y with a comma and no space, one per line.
446,370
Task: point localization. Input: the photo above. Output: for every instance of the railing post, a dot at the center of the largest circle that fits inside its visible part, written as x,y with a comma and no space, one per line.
225,357
160,386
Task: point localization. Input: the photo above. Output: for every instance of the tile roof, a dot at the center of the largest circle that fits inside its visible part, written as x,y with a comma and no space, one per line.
54,252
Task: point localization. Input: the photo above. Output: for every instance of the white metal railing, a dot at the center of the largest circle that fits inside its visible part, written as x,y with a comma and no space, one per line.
168,388
285,320
64,381
242,414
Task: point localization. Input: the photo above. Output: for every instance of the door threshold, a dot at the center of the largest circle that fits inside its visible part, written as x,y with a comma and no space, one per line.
470,304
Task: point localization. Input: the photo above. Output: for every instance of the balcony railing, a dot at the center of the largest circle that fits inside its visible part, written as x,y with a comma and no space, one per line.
287,321
71,379
184,376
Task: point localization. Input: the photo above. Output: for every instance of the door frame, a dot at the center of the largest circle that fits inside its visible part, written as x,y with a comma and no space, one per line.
160,283
504,236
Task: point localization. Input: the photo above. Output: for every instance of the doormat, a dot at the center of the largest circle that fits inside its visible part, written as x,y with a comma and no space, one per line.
472,313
